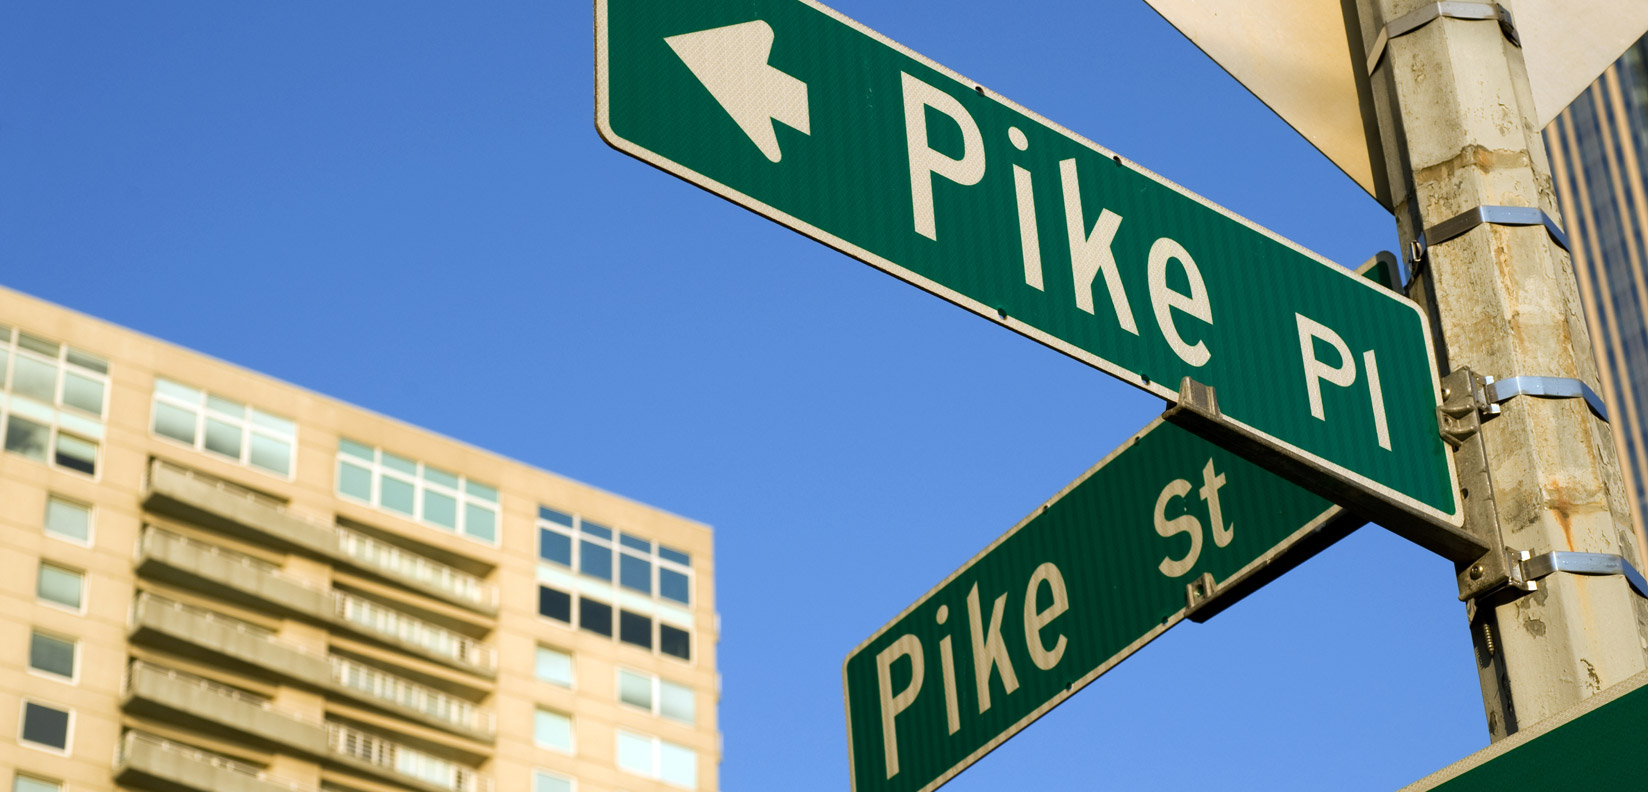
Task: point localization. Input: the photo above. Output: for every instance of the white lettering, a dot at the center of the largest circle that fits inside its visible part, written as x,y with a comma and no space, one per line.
991,652
1185,523
1376,396
1315,370
1034,620
1211,482
947,660
891,705
1090,254
1164,299
924,161
1029,238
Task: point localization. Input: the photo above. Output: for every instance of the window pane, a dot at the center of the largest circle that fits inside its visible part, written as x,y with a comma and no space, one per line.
37,344
480,522
675,702
671,554
400,463
595,560
559,518
27,438
359,451
274,423
554,666
441,477
395,494
556,605
34,379
52,655
59,585
26,784
635,754
223,438
440,509
76,454
674,641
673,585
482,491
68,520
596,529
221,405
635,573
83,393
177,391
86,361
544,782
635,543
552,730
633,628
174,422
594,616
356,482
677,765
272,455
45,725
555,546
5,355
635,689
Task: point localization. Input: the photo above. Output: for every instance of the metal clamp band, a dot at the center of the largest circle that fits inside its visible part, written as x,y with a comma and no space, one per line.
1452,9
1546,388
1583,564
1493,215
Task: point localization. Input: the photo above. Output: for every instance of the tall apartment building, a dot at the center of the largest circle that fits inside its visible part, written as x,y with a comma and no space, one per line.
211,580
1598,148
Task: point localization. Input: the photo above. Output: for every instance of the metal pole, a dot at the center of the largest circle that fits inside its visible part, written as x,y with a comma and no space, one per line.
1456,119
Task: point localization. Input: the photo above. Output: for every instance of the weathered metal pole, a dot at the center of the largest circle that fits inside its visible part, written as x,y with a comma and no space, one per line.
1457,121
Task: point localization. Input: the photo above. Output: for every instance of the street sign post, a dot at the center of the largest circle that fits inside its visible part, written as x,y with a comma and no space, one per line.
791,110
1140,542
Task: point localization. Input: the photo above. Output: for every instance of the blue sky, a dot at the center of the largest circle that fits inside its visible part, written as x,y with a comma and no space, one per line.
405,205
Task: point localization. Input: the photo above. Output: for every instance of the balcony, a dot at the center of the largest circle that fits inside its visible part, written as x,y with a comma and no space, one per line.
146,761
206,705
239,577
186,630
183,493
399,763
414,634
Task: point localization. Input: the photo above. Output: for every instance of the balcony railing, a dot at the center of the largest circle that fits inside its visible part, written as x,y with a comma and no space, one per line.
364,550
252,564
417,632
409,694
404,761
151,600
216,688
132,739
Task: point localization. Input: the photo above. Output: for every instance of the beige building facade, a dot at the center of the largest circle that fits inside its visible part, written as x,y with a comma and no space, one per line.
217,581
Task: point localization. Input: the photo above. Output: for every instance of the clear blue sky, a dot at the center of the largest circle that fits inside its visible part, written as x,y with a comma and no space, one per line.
405,205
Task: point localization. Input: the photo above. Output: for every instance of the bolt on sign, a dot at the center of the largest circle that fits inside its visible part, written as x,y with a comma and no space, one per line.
802,115
1116,559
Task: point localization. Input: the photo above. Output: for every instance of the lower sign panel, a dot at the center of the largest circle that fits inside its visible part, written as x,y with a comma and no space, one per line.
1104,567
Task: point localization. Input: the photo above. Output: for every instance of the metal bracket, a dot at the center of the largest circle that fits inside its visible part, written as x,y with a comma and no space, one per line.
1494,215
1546,388
1199,592
1424,15
1579,564
1464,403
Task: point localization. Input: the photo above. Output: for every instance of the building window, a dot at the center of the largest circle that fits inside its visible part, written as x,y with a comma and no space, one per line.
595,550
60,586
651,757
552,730
23,783
229,429
656,695
52,655
412,489
596,616
45,726
68,520
54,398
554,666
549,782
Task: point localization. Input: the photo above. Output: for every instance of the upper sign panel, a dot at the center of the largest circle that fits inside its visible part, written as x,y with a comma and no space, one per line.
800,114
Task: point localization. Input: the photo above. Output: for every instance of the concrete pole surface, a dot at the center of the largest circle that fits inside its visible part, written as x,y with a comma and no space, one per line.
1457,122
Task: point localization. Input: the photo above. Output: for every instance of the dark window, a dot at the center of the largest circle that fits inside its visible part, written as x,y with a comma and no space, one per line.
596,529
559,518
52,655
671,554
635,542
635,573
556,605
674,641
594,616
45,725
635,629
555,546
673,585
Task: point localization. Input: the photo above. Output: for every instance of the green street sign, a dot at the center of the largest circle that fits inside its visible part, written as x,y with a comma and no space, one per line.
808,118
1136,545
1597,744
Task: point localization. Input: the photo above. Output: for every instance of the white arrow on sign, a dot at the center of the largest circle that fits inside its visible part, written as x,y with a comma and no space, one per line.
731,62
